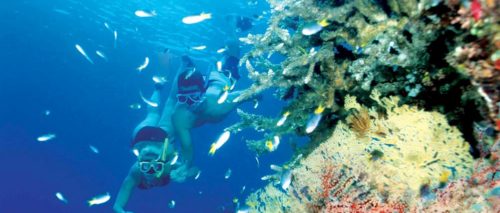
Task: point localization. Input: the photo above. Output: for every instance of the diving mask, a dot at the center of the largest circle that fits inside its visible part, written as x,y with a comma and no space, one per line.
154,166
189,98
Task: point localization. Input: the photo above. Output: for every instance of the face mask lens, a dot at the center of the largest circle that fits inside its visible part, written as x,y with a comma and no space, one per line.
182,98
158,166
144,166
195,97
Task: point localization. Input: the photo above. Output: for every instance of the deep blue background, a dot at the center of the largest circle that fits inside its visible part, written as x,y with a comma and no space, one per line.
40,69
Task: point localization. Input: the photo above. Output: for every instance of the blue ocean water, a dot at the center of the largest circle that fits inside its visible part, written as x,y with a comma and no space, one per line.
89,103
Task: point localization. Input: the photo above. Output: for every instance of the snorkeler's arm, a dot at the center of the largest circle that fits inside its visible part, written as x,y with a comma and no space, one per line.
130,182
182,131
166,117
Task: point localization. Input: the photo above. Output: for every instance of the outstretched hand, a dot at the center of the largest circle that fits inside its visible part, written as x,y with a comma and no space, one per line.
181,173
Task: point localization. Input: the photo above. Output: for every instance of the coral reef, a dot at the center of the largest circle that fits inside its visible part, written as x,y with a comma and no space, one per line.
438,55
432,146
386,168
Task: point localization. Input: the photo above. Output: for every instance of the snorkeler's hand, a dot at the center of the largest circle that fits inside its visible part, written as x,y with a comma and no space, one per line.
180,174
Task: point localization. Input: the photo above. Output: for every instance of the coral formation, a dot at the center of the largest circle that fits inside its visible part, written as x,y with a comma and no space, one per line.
438,61
373,171
418,50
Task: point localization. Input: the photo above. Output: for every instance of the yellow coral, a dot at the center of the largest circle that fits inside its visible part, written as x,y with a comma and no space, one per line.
418,147
400,153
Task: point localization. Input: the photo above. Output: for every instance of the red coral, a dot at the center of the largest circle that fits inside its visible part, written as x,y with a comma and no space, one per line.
328,182
459,195
340,195
475,9
369,205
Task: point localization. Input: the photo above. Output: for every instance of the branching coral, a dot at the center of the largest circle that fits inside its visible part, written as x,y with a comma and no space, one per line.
396,47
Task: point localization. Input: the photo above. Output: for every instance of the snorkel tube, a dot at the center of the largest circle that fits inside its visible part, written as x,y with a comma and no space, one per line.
163,156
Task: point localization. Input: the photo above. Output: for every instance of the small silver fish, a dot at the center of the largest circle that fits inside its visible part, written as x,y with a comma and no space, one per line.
47,112
196,18
244,209
82,51
286,179
267,177
148,102
100,199
257,159
159,80
115,34
201,47
228,174
255,103
107,26
46,137
221,50
136,152
171,204
135,106
64,12
276,168
219,66
197,175
94,149
276,142
223,96
145,14
143,65
174,159
61,197
101,54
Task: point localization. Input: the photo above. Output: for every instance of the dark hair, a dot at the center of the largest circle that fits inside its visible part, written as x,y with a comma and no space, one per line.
149,133
195,78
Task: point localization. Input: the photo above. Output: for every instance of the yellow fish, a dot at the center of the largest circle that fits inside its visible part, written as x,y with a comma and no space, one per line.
444,177
314,28
283,118
269,145
223,138
224,95
314,119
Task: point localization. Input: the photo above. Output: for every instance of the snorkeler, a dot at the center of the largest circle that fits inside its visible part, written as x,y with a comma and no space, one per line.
195,100
156,158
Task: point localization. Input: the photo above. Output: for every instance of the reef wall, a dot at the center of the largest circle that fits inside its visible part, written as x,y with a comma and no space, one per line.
435,132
